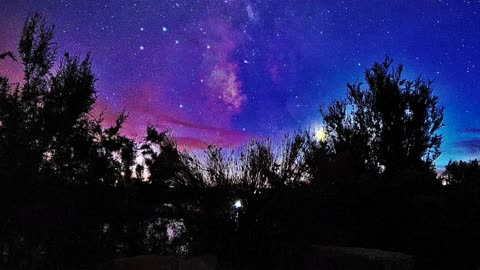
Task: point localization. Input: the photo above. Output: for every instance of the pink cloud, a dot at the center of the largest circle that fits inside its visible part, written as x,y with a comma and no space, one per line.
189,143
188,134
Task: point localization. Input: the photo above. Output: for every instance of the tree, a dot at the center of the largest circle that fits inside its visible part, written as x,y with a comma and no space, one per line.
167,165
50,148
390,126
46,125
462,172
219,167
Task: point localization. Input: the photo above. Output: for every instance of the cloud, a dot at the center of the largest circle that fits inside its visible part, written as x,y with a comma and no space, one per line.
471,146
202,135
189,143
188,134
472,130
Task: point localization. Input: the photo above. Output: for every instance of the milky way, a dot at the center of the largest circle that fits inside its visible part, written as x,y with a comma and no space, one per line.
224,71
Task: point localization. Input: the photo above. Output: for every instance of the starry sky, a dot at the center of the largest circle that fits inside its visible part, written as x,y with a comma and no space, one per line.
222,71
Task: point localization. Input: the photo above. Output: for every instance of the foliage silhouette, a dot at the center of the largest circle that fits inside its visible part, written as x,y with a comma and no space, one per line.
390,126
49,141
462,172
168,166
7,54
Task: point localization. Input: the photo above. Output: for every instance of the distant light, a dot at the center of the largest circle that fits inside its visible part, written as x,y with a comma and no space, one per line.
164,29
176,41
208,47
170,233
181,106
238,204
141,29
444,183
321,135
142,48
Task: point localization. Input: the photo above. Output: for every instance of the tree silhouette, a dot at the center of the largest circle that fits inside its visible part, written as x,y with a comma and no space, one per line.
390,126
219,167
50,143
462,172
21,110
167,165
47,126
7,54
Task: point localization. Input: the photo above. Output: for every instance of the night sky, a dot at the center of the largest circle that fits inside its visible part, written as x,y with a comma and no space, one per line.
224,71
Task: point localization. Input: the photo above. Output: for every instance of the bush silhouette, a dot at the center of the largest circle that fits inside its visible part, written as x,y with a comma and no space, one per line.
390,126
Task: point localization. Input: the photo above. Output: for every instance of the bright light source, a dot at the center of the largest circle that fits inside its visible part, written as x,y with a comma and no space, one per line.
321,135
238,204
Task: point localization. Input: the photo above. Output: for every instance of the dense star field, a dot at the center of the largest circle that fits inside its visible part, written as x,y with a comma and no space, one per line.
224,71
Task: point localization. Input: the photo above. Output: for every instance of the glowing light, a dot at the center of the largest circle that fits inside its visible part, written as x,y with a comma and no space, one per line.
321,135
238,204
